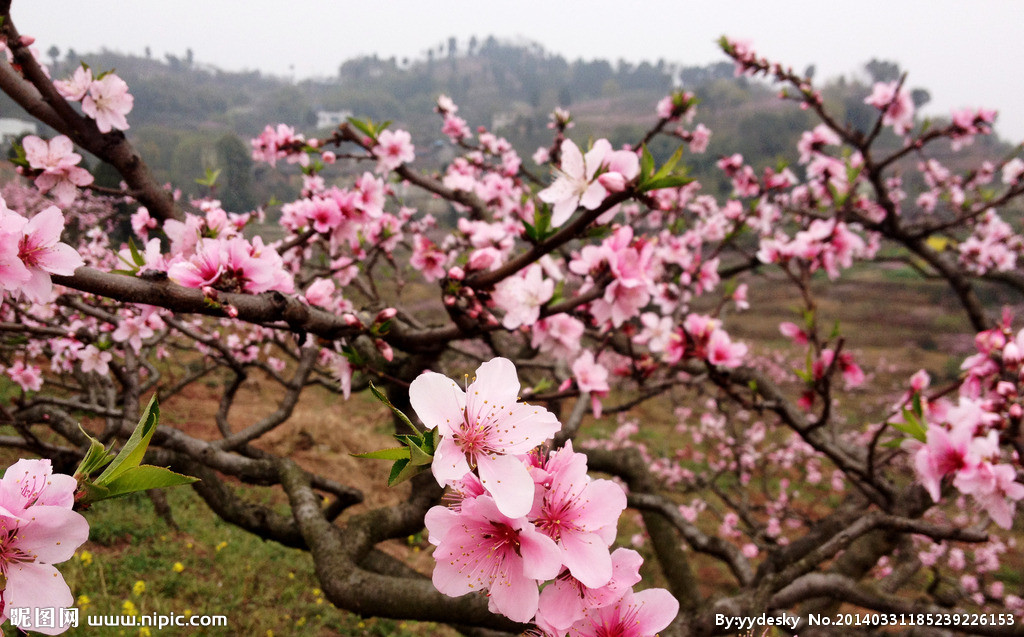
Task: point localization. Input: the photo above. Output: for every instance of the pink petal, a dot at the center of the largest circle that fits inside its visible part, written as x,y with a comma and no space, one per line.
34,585
59,259
52,533
438,402
38,286
449,463
45,228
498,380
439,521
659,609
515,597
594,195
572,160
542,559
587,558
605,503
509,482
563,210
560,604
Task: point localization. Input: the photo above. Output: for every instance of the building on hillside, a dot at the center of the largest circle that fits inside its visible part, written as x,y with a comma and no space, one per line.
11,128
331,119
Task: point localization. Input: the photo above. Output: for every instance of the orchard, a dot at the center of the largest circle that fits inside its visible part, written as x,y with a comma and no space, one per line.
585,429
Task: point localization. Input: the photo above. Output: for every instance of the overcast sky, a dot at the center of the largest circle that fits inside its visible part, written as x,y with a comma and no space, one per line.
964,53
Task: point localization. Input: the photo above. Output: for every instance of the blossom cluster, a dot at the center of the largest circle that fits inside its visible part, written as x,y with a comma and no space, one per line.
104,98
31,250
962,440
55,166
37,530
518,519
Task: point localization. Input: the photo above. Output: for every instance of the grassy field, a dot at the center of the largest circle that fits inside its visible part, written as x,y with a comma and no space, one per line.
136,563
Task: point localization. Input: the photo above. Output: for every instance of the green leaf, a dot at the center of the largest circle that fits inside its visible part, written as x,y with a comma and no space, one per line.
646,164
95,458
419,457
365,128
670,165
393,453
135,449
92,492
136,255
210,180
398,412
912,430
144,478
672,181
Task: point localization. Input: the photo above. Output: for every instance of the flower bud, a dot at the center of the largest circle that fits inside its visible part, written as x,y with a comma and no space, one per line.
456,273
612,182
385,350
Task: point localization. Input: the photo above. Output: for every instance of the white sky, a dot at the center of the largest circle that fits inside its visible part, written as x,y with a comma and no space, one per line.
964,53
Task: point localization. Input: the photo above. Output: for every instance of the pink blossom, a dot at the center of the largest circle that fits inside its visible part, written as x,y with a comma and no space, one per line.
232,265
108,102
480,548
722,351
37,529
320,292
484,428
132,330
74,89
699,138
895,103
581,515
29,377
13,273
58,161
558,335
39,250
566,600
575,184
393,149
1012,171
279,143
142,222
521,297
95,360
640,614
427,258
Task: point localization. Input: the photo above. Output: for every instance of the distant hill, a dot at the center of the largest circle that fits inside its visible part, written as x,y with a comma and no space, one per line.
189,116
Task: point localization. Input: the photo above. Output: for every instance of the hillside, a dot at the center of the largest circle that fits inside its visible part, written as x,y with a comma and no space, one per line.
189,116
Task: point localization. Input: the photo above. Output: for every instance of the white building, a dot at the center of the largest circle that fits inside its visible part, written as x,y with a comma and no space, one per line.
12,128
331,119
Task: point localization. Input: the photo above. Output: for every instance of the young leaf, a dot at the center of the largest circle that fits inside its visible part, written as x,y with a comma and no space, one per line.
144,478
393,453
398,412
95,458
135,449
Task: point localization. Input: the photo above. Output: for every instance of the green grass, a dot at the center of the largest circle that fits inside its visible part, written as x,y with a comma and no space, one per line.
207,568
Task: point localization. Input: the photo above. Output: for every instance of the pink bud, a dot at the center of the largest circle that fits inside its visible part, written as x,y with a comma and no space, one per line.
386,314
351,320
456,273
1016,411
920,380
328,157
385,350
449,300
26,40
1012,354
612,182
